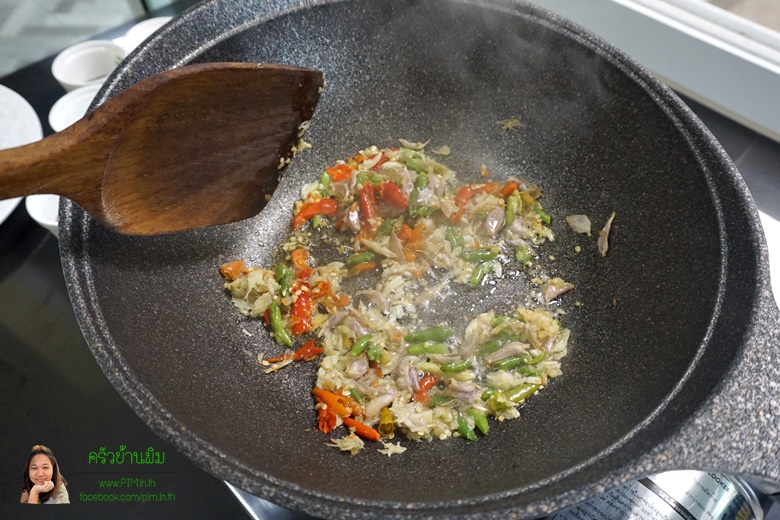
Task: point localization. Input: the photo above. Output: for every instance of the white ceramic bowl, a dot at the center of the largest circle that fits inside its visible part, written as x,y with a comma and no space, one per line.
86,63
141,31
44,210
72,106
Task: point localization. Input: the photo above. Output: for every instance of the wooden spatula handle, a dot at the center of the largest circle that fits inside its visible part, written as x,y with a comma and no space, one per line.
69,163
46,166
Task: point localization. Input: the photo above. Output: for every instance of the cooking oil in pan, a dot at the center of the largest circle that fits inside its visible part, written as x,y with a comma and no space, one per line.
673,495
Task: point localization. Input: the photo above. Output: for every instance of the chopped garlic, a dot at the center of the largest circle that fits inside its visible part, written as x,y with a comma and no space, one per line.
414,146
351,443
391,449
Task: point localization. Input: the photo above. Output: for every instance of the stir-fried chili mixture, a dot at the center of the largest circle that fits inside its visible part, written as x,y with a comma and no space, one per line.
403,224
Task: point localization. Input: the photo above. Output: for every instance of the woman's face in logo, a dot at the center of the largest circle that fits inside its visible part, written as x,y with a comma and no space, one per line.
40,469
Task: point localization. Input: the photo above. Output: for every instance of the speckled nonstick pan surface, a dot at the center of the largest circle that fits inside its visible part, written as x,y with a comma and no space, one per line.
673,361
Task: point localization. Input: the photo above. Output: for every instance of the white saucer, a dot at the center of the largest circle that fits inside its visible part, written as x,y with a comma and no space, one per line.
20,126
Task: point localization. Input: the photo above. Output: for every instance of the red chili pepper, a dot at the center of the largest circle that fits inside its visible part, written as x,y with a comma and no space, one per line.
337,403
509,188
341,300
466,192
300,312
463,196
300,258
489,187
382,160
405,233
351,404
421,395
367,231
367,201
231,270
361,268
326,420
307,352
339,172
362,429
309,210
321,289
392,195
457,215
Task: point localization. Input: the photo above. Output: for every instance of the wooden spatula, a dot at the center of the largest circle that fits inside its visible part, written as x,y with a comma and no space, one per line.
191,147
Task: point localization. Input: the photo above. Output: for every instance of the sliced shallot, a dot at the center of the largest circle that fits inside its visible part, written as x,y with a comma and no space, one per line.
603,241
513,348
555,287
579,223
495,221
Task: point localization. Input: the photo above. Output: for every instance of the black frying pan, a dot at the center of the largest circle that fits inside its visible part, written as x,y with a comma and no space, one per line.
673,361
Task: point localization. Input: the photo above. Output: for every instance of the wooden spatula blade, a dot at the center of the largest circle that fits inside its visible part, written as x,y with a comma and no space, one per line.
206,147
191,147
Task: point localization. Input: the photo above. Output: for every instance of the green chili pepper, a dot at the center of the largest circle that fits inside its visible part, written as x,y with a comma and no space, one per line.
506,336
359,258
361,179
520,393
499,341
374,352
413,199
324,182
278,327
361,344
498,320
482,254
421,182
465,430
453,237
316,221
438,400
457,366
417,210
517,395
480,421
432,334
544,216
523,255
487,394
490,347
285,277
409,157
386,227
356,395
479,272
375,179
528,371
508,363
512,207
426,348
